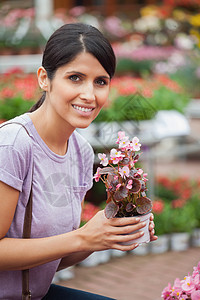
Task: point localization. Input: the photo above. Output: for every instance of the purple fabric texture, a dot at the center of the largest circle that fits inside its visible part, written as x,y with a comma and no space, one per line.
59,186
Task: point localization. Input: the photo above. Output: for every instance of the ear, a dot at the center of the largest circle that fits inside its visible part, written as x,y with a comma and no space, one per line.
43,78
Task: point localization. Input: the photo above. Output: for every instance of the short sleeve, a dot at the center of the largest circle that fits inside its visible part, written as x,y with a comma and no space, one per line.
12,171
14,156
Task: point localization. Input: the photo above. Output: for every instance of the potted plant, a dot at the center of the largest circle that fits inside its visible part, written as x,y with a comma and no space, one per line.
125,183
161,211
195,203
182,221
177,193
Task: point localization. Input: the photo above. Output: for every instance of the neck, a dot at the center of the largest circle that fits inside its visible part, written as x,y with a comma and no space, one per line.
52,129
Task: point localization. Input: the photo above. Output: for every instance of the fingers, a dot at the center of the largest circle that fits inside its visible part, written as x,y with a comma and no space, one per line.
128,229
151,229
151,217
124,221
153,238
101,233
126,248
126,242
152,232
130,237
151,225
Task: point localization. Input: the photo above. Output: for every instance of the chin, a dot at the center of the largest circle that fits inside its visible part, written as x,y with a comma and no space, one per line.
82,126
85,124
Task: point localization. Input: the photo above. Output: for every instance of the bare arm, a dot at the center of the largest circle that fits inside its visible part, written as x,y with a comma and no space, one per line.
73,259
20,253
98,234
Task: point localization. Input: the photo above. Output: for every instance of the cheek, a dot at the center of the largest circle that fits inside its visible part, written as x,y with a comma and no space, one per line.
103,99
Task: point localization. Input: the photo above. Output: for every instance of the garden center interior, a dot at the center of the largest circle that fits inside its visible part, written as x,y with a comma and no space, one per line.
155,95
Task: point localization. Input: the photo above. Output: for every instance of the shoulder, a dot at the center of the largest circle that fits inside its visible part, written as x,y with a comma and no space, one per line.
14,135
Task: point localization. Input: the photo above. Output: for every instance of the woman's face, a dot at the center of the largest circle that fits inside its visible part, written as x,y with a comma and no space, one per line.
78,91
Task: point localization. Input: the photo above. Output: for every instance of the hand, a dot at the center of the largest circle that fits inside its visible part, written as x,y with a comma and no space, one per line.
101,233
151,229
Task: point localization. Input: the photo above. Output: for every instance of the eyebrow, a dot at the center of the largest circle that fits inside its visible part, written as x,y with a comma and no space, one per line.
82,74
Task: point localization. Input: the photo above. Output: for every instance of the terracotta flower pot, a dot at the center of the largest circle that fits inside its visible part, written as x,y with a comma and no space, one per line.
146,237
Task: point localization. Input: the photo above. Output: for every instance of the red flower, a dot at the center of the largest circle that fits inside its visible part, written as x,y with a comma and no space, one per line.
178,203
165,182
7,93
158,206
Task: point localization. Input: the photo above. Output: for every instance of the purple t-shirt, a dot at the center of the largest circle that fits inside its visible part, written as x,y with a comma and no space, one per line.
59,185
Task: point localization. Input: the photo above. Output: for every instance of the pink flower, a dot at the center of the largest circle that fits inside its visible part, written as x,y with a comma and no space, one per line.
177,290
121,135
118,186
135,144
124,142
166,293
183,297
195,295
116,156
188,285
103,158
196,269
124,172
139,171
144,177
129,185
185,289
196,280
97,175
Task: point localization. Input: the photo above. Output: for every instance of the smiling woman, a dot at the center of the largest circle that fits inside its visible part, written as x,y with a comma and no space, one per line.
75,95
55,163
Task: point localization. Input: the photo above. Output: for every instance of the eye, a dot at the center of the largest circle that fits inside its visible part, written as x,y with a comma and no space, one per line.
74,78
101,82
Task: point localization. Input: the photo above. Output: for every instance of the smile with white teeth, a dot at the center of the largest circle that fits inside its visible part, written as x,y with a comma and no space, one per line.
82,108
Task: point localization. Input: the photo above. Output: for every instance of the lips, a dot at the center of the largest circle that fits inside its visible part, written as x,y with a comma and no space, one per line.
81,108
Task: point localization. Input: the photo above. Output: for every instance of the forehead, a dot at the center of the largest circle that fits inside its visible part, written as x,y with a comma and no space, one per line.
84,62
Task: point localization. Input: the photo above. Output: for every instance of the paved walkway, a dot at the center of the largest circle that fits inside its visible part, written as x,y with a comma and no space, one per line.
134,277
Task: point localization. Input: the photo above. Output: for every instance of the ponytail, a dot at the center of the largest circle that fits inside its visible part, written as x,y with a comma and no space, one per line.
38,103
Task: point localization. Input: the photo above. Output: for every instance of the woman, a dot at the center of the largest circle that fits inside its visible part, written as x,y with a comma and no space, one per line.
78,64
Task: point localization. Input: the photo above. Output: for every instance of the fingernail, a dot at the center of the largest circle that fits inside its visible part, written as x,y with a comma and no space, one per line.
141,232
137,219
143,223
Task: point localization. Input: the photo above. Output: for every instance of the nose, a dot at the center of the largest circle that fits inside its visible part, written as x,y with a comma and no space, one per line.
87,92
